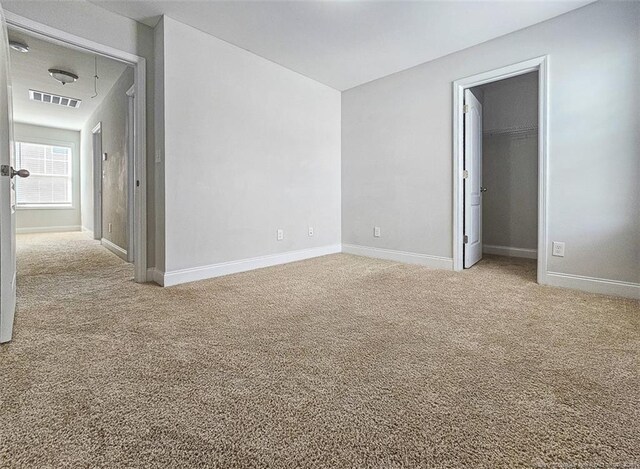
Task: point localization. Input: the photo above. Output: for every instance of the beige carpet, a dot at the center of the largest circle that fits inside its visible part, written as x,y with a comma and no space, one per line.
339,361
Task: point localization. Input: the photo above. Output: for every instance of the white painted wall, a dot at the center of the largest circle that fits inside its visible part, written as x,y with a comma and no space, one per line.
89,21
159,196
510,163
51,219
250,147
397,144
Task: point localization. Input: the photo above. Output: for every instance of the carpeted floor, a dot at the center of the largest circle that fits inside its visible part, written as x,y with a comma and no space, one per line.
339,361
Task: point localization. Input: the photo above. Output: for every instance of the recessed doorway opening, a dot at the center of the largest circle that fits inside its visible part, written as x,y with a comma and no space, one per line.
500,165
112,149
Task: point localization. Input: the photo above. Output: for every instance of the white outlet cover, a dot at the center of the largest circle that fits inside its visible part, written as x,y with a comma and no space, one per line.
376,231
558,249
280,235
311,231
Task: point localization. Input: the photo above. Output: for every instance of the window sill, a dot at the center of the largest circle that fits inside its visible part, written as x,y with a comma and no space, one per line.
45,207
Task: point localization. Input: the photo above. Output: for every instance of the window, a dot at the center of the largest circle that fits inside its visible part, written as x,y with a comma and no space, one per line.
49,184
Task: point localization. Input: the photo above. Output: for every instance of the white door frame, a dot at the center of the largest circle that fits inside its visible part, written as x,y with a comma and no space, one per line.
131,140
96,155
66,39
541,65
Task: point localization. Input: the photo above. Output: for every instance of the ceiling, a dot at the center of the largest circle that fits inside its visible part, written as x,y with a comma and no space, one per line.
346,43
29,71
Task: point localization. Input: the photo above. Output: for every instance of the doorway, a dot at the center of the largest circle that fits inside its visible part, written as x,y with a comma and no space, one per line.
504,229
77,154
509,172
135,115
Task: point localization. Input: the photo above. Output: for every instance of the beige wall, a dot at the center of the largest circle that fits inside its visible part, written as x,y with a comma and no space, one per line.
51,219
112,114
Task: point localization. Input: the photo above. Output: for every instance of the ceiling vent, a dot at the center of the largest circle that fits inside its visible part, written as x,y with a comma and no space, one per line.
54,99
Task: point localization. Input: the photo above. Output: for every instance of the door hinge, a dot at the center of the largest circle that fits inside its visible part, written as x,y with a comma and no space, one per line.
137,182
5,170
465,174
466,239
465,109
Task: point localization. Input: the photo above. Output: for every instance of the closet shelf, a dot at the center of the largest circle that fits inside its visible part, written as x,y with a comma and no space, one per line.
522,130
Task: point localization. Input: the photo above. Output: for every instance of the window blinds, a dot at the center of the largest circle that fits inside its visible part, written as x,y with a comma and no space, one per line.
50,179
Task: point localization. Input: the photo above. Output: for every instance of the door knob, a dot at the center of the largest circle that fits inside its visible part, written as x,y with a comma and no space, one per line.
23,173
7,170
483,189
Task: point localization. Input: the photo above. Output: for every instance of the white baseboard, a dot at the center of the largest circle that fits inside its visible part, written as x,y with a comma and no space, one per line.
49,229
510,252
435,262
114,248
154,275
176,277
232,267
594,285
87,231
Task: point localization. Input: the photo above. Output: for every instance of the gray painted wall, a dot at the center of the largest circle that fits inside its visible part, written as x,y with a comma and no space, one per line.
112,113
510,205
51,218
250,147
510,103
397,143
510,162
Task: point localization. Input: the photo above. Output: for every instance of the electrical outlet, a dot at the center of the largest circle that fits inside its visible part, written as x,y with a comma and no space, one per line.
158,156
558,249
311,231
109,227
376,231
280,235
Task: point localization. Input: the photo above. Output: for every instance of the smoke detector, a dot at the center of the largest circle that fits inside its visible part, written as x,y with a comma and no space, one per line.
19,46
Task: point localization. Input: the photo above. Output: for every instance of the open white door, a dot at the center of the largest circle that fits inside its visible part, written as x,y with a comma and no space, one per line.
7,195
472,180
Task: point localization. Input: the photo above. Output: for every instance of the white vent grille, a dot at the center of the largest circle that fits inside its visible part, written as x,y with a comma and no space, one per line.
54,99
